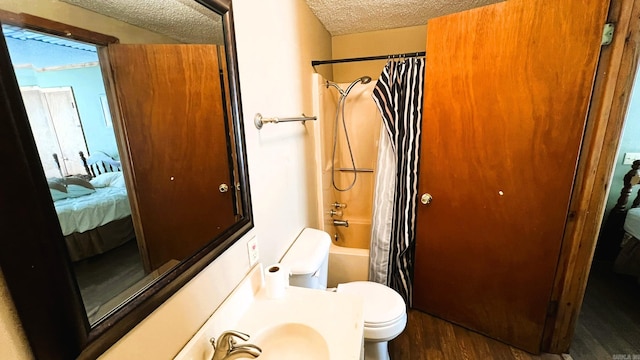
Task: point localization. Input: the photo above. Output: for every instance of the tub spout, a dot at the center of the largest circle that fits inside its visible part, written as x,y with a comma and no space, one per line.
344,223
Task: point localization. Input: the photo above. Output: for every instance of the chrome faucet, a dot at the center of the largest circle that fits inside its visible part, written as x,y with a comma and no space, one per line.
344,223
226,347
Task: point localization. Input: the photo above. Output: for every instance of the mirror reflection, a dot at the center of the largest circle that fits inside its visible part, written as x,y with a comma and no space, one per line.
135,142
65,99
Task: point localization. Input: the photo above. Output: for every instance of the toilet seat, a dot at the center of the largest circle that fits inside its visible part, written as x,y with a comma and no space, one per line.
385,313
385,333
384,324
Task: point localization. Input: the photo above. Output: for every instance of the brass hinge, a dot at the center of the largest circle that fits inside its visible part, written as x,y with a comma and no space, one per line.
607,33
552,308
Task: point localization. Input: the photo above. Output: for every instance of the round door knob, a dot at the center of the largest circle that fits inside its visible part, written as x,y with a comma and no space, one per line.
426,198
223,188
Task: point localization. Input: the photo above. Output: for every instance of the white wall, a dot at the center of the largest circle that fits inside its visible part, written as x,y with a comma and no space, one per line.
276,42
277,39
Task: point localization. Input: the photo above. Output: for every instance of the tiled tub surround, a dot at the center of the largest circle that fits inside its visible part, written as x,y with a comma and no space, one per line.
338,318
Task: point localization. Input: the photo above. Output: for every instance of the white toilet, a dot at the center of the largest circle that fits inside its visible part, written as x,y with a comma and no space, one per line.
385,315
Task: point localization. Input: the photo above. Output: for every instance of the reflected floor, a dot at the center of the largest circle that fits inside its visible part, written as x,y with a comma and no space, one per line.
103,277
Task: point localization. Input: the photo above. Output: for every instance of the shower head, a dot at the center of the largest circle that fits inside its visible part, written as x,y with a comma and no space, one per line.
364,80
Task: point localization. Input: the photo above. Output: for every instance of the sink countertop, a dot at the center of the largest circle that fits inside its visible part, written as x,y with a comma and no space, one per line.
339,318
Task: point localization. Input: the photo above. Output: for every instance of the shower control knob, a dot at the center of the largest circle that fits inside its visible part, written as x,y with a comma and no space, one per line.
426,199
338,205
223,188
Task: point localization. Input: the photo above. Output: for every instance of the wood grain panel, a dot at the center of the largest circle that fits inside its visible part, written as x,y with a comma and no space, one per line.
506,96
171,107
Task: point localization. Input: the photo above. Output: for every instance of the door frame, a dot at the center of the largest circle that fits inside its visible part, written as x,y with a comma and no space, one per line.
611,93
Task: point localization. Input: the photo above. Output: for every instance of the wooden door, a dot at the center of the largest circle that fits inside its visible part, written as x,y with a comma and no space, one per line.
173,116
507,91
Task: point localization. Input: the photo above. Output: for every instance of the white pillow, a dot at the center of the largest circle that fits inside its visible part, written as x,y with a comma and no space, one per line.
108,179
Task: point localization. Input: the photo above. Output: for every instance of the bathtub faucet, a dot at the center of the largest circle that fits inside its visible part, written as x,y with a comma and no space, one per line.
344,223
333,212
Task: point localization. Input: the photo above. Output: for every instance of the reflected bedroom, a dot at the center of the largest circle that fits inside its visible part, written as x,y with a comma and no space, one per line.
65,99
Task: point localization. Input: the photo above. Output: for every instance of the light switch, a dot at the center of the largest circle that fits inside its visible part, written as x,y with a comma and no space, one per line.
252,249
629,158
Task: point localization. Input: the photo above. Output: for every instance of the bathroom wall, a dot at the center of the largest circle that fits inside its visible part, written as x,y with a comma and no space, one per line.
275,78
13,344
383,42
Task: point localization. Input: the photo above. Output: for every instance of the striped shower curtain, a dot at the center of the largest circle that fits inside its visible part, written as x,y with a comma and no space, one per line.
398,95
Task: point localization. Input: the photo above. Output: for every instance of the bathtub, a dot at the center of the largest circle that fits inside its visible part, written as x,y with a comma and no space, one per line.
347,264
357,235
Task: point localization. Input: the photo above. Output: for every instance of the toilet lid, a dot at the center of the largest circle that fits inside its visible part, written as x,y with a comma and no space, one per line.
381,303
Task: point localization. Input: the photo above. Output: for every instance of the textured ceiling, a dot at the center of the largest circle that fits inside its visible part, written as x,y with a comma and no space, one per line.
178,18
174,18
342,17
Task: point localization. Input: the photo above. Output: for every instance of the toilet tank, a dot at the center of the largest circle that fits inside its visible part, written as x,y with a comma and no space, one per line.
307,259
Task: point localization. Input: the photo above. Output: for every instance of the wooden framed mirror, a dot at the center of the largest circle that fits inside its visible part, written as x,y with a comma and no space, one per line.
170,131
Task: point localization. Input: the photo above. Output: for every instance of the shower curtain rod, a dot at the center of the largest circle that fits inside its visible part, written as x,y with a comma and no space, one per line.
368,58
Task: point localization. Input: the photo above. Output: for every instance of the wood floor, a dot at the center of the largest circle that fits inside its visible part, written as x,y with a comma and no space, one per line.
609,321
429,338
608,328
103,277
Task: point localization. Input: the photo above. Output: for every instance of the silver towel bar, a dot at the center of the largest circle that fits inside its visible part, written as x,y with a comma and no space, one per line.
259,120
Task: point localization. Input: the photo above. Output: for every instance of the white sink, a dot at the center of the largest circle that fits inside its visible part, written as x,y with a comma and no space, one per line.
288,341
303,324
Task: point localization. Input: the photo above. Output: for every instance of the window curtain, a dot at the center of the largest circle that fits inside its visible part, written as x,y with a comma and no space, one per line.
399,97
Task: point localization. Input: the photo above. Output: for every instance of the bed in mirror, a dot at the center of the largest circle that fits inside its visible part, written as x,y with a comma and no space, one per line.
127,126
